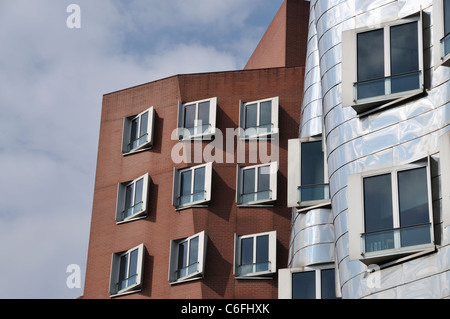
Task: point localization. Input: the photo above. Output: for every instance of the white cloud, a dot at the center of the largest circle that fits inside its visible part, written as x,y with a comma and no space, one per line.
51,84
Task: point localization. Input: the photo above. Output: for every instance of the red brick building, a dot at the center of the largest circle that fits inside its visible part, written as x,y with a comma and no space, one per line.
171,226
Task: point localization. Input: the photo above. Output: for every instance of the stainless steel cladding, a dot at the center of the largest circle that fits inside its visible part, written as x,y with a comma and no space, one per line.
368,134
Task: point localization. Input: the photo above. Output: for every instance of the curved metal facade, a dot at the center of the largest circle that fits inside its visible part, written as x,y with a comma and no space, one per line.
402,134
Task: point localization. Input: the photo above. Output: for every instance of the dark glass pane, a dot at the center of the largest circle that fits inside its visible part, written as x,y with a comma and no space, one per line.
413,197
378,203
134,129
123,267
250,115
144,124
139,191
249,180
189,116
182,255
186,179
446,17
133,263
247,251
199,180
404,48
203,114
129,196
262,253
304,285
265,113
370,63
263,178
312,163
193,251
404,57
370,46
328,284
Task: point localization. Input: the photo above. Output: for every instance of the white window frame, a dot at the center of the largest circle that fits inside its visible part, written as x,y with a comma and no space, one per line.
252,133
173,264
355,193
121,196
444,164
148,144
273,171
272,256
294,174
176,191
184,134
439,57
285,280
115,268
349,68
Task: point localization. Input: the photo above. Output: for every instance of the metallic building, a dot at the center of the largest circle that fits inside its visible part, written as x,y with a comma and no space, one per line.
376,99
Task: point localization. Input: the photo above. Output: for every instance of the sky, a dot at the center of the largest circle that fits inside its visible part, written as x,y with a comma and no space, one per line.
52,80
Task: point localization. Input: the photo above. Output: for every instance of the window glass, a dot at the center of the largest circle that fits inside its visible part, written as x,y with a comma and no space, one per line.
404,57
378,203
182,254
189,116
193,251
247,251
265,114
304,285
263,178
133,264
328,284
249,180
312,163
370,63
123,268
262,253
413,205
446,17
199,179
129,196
139,191
134,129
203,114
144,124
251,115
186,178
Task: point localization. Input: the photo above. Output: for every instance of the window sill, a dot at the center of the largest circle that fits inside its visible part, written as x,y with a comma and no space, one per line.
395,256
197,137
147,148
195,277
134,290
256,276
133,218
303,207
194,205
374,105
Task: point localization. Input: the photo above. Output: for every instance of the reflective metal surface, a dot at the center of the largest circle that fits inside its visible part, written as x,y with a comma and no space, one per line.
399,135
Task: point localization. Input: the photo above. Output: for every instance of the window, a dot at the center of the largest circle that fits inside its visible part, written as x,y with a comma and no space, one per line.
318,283
126,271
394,211
192,185
187,258
444,165
138,132
255,255
383,64
132,199
258,118
197,120
257,184
441,32
307,178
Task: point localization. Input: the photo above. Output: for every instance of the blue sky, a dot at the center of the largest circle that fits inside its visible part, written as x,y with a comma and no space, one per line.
52,80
